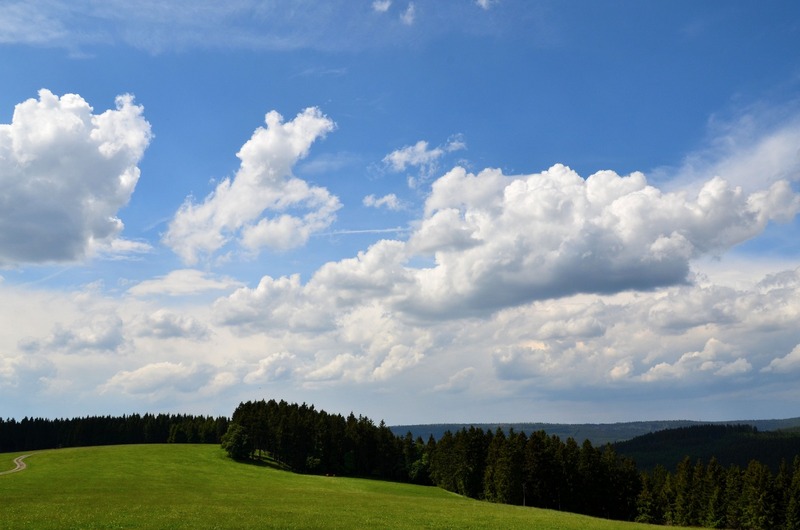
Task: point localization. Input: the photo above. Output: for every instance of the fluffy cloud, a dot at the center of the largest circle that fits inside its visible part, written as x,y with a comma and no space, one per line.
153,380
381,6
558,278
499,241
342,329
787,364
64,173
182,282
264,205
165,324
25,372
271,367
101,332
422,157
714,358
390,202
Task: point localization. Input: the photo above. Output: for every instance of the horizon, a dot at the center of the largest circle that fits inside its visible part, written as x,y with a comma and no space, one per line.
413,210
378,420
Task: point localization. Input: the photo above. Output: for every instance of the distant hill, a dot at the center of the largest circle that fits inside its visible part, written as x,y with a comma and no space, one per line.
597,433
729,444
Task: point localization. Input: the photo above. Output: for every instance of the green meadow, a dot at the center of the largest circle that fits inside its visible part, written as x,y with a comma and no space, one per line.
198,486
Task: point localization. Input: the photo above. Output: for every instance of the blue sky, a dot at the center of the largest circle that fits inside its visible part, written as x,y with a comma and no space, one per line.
419,211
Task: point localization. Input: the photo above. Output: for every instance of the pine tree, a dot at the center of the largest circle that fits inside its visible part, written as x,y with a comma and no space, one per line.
715,508
757,497
792,516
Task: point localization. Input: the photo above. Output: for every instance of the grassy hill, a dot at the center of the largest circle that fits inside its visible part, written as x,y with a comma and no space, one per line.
197,486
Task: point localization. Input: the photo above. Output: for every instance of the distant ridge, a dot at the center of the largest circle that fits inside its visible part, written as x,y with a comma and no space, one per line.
596,433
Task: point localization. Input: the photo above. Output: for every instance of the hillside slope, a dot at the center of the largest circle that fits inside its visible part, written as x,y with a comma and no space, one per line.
197,486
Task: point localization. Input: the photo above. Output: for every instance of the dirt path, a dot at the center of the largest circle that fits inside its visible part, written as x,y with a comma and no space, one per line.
19,463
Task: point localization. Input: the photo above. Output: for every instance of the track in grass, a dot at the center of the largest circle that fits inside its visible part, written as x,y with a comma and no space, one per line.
19,463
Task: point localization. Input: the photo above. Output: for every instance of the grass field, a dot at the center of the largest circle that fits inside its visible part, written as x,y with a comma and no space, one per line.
197,486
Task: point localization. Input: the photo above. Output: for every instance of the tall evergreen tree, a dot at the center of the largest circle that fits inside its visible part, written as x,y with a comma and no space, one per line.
792,516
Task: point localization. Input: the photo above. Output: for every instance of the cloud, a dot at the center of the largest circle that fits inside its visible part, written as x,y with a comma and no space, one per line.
390,202
345,328
100,332
159,27
381,6
713,359
409,14
165,324
498,241
485,4
121,249
93,332
420,157
458,382
757,148
183,282
273,303
156,379
549,278
274,366
26,373
264,205
25,22
787,364
65,172
412,155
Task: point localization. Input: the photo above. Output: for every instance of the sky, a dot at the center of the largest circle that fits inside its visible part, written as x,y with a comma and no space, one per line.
419,211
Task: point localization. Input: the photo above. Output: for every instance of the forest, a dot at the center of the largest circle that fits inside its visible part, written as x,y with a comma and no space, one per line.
30,434
728,444
512,467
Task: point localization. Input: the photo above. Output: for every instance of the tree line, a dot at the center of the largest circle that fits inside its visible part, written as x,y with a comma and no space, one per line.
512,467
715,496
728,444
30,434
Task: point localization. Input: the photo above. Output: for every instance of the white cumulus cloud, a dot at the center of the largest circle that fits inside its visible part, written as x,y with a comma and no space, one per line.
264,205
65,172
499,240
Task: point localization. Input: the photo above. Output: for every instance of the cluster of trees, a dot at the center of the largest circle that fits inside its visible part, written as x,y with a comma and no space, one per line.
511,468
524,469
536,470
311,441
31,434
715,496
